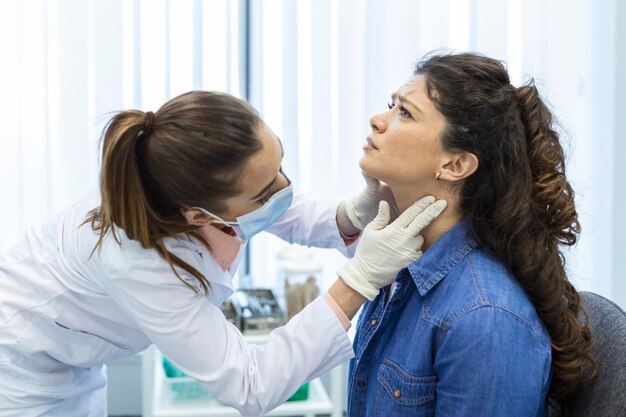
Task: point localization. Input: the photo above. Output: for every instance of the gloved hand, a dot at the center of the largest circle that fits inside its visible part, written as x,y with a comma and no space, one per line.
385,248
362,208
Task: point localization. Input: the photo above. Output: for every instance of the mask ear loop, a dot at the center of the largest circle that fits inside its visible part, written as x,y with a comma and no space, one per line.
215,216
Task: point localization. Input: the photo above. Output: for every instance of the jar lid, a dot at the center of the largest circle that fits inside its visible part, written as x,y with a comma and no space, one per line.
301,266
294,252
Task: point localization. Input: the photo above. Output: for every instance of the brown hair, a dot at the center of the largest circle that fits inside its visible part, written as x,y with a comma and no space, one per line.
518,203
153,165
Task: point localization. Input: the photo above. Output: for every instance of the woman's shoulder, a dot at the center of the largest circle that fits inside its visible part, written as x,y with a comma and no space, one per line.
482,281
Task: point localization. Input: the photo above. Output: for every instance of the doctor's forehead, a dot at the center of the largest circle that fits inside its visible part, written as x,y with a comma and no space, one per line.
266,162
269,139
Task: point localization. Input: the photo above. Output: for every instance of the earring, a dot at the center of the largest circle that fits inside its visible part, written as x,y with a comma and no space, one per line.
438,175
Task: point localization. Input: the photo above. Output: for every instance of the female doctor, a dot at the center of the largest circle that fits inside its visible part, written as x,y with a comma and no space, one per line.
149,259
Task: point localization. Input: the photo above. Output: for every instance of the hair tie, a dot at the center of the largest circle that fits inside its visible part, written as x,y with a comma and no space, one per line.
148,123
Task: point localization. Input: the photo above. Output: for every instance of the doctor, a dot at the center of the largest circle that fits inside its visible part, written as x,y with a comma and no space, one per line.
149,259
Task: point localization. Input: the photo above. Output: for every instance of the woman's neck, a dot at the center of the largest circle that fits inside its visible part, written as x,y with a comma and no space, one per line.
446,220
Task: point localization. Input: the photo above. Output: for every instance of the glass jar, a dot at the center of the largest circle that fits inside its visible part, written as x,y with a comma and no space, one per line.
299,276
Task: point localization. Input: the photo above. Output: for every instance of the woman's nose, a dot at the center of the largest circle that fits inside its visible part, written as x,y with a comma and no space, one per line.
377,123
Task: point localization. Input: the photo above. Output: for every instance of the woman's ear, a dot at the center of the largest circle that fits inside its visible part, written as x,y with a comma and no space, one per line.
458,167
196,217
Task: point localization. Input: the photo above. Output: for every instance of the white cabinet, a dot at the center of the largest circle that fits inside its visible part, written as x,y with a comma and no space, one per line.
160,400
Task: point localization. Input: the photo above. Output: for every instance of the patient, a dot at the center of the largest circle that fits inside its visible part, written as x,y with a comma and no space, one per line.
485,323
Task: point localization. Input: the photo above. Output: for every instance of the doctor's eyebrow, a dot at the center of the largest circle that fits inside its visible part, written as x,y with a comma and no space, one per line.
404,101
265,189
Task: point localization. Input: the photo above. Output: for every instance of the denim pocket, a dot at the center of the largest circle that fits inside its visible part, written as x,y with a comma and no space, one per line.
402,394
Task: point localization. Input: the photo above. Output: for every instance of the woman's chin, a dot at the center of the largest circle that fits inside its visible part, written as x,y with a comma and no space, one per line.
367,167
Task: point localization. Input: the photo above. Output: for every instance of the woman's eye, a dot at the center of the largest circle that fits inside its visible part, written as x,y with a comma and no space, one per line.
404,112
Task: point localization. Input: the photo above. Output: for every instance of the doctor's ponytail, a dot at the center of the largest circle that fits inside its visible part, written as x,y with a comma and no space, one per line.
156,164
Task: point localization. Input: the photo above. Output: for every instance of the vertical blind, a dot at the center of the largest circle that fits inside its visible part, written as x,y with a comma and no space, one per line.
68,64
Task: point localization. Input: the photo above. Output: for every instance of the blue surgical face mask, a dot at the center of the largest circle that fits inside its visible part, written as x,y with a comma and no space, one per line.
248,225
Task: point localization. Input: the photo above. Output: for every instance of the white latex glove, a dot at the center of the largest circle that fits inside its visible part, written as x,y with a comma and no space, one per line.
362,209
385,248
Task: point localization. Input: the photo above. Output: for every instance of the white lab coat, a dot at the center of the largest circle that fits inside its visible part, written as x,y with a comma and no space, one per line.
64,313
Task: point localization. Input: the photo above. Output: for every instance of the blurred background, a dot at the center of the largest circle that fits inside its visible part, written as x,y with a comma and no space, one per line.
316,70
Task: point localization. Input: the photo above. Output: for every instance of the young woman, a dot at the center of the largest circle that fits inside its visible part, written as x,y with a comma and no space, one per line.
149,259
486,323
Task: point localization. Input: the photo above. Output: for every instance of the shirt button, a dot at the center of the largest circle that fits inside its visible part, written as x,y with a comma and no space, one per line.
397,393
395,302
374,322
361,383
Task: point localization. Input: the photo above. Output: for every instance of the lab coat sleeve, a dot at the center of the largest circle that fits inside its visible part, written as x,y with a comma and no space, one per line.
311,221
194,334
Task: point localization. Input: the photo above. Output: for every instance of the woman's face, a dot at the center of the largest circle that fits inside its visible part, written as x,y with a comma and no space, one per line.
404,148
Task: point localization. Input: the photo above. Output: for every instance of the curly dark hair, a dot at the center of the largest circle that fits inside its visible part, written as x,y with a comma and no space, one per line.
518,203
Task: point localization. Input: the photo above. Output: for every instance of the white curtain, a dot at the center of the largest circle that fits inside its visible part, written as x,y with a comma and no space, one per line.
67,64
321,68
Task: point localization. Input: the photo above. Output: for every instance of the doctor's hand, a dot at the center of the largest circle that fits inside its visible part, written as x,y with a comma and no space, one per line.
385,248
362,209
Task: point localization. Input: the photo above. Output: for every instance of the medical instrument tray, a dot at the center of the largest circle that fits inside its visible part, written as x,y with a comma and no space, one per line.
257,310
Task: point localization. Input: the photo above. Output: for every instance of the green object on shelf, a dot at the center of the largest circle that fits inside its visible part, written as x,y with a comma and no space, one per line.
302,393
191,389
170,370
188,389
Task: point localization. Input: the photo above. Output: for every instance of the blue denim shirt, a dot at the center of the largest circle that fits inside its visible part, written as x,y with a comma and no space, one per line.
458,337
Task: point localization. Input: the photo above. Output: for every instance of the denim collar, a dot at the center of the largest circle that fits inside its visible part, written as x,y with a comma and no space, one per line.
440,258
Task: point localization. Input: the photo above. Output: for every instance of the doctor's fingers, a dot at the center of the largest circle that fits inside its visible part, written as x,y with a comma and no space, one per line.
405,219
407,248
426,217
408,255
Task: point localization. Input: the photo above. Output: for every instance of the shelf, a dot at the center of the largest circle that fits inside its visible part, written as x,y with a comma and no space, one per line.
161,401
318,403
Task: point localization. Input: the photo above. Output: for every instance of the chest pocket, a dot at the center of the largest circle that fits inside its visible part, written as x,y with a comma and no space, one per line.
401,394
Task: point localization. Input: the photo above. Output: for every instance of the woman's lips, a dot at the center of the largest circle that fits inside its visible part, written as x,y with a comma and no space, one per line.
369,145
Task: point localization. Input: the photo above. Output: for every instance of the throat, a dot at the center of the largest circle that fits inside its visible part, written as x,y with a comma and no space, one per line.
438,228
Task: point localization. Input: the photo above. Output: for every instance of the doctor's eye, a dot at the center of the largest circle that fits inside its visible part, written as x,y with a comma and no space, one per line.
265,197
